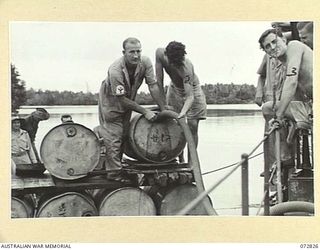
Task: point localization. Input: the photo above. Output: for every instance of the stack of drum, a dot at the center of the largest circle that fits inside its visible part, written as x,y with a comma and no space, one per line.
70,151
126,201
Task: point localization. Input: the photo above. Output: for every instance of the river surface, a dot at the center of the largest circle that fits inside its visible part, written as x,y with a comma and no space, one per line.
228,132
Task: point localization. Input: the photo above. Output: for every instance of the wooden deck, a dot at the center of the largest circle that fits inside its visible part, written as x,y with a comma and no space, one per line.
48,182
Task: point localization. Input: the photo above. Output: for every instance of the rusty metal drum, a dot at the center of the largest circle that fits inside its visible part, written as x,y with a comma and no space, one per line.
127,201
68,204
177,198
22,206
70,151
159,141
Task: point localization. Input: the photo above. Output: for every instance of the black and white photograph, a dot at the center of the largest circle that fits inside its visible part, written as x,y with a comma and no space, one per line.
145,121
161,119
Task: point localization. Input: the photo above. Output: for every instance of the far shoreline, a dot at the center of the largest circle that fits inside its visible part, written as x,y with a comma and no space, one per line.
61,109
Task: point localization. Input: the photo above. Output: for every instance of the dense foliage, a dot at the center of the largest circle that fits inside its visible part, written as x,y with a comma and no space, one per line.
18,90
229,93
215,94
48,97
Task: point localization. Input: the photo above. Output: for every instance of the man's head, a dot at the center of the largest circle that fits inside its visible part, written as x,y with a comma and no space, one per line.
273,43
306,33
40,114
132,50
66,118
15,122
175,52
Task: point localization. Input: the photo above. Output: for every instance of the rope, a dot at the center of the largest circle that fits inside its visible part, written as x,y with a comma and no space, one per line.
265,193
204,194
228,166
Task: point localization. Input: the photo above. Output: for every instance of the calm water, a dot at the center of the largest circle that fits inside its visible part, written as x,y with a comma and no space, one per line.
228,132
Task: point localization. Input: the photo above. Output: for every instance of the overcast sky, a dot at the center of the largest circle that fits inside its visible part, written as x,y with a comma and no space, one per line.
76,55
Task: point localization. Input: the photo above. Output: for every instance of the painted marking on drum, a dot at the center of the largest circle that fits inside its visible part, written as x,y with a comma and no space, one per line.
159,137
57,143
62,210
60,162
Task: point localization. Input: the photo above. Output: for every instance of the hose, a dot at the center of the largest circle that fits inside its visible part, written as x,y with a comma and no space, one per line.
292,207
194,159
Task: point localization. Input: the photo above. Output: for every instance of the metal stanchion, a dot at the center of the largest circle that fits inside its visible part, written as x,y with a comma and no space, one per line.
245,185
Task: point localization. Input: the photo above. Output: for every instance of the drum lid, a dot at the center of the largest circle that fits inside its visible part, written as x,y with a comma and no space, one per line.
68,204
70,151
127,201
160,141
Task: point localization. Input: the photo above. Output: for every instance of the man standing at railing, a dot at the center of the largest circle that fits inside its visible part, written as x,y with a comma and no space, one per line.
295,98
116,101
273,66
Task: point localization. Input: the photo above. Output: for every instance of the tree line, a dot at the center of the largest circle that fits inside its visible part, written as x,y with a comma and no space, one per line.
215,94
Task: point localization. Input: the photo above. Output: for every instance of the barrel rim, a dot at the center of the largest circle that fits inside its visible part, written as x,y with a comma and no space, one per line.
133,124
55,196
103,200
25,204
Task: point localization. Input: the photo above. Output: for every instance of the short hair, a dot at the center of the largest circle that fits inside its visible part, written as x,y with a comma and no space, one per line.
175,52
66,118
277,32
42,110
132,40
305,25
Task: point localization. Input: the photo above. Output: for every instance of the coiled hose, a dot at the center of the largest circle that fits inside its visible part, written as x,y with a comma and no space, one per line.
292,207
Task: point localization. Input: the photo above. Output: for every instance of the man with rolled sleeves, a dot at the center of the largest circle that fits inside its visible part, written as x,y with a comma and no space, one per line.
116,101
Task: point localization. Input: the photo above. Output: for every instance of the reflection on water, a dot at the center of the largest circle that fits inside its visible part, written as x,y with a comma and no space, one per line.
223,137
222,112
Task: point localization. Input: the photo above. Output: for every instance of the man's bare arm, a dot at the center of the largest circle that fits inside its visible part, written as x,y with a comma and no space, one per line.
294,57
259,92
262,71
157,95
159,69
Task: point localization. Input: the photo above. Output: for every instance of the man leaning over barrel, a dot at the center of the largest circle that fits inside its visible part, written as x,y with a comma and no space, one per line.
184,95
116,101
294,102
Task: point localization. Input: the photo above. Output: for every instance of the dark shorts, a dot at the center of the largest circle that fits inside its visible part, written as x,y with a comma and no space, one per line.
198,109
